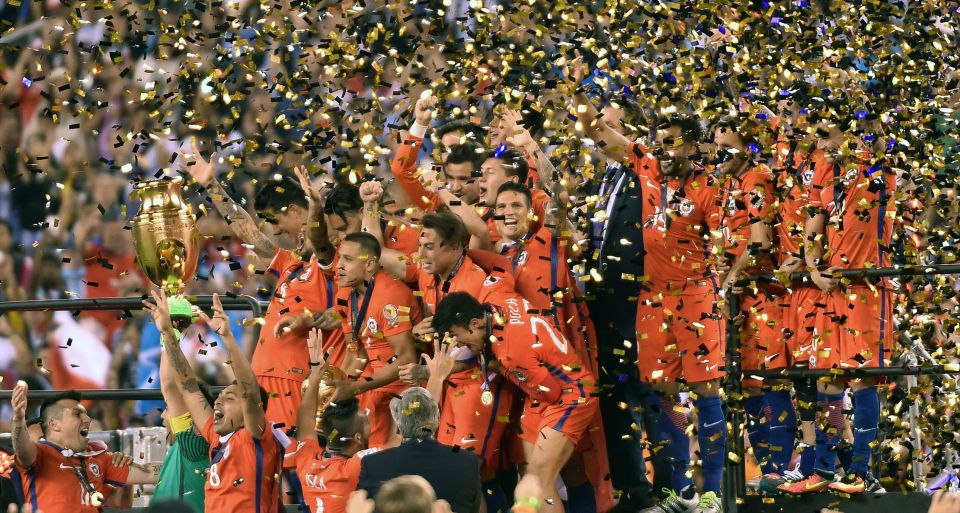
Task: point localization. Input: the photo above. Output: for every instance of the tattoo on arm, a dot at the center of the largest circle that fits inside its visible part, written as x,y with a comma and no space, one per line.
546,169
240,221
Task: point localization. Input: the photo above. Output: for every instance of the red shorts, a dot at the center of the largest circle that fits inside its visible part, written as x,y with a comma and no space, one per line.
376,402
678,336
466,422
801,309
573,419
532,421
761,336
856,329
284,400
282,407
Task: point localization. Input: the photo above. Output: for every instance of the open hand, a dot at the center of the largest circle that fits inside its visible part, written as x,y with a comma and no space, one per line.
315,348
441,364
159,310
203,171
219,322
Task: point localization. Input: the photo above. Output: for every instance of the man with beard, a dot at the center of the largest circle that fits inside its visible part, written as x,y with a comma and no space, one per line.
245,450
679,331
280,359
63,472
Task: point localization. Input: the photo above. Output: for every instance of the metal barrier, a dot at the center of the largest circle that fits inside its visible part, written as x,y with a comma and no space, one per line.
734,484
230,302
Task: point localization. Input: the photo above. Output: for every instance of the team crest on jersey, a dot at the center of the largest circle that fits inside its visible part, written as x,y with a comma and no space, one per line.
756,199
519,376
372,325
95,470
808,177
522,258
686,208
304,276
490,280
391,313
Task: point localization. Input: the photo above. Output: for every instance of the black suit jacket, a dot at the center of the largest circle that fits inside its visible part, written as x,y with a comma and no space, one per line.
454,475
614,300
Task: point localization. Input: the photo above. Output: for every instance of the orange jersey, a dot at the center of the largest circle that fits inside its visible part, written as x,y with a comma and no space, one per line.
387,309
244,473
749,199
859,203
793,186
402,238
467,277
328,478
404,169
683,213
536,357
52,485
302,286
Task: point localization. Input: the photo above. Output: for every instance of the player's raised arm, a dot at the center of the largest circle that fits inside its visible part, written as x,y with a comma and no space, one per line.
24,449
183,375
613,143
240,221
307,413
253,413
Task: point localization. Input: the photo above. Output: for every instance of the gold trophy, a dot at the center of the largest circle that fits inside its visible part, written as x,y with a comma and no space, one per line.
167,239
325,390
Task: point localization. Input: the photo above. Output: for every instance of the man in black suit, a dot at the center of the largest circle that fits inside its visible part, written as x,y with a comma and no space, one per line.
454,475
617,240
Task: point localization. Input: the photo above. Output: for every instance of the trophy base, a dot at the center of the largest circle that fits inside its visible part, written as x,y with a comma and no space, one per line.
181,311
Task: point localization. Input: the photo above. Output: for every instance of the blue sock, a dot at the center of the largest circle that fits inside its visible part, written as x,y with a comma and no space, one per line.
807,459
581,499
866,418
672,426
758,430
494,497
712,433
783,429
828,435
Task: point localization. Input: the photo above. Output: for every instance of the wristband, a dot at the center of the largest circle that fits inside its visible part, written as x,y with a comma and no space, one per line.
418,130
526,505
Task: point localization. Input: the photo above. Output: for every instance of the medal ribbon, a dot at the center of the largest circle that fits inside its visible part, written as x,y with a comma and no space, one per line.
356,315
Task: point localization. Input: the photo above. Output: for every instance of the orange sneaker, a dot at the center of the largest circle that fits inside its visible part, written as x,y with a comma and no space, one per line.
813,484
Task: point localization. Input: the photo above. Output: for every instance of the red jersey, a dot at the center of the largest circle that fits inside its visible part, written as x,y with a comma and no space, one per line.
536,358
244,472
749,199
793,186
52,485
388,308
859,203
676,236
301,286
402,238
328,478
404,168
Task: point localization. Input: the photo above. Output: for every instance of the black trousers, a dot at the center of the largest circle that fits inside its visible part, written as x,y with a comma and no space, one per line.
620,384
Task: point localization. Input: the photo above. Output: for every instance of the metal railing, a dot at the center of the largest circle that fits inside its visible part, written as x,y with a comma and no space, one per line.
230,302
734,483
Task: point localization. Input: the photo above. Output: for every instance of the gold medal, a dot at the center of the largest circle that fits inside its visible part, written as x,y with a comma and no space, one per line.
486,398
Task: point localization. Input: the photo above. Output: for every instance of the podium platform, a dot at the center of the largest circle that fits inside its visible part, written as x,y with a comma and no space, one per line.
867,503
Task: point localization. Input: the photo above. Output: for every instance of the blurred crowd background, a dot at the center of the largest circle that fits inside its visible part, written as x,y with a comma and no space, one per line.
96,95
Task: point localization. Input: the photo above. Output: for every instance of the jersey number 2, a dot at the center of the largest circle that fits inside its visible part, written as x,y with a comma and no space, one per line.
558,341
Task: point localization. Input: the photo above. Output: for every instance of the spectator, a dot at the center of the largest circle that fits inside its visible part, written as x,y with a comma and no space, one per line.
454,475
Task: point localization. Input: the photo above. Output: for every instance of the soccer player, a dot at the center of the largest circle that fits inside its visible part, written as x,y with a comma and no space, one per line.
378,312
679,332
849,226
303,292
749,214
797,157
330,473
528,351
539,263
63,472
471,408
245,450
